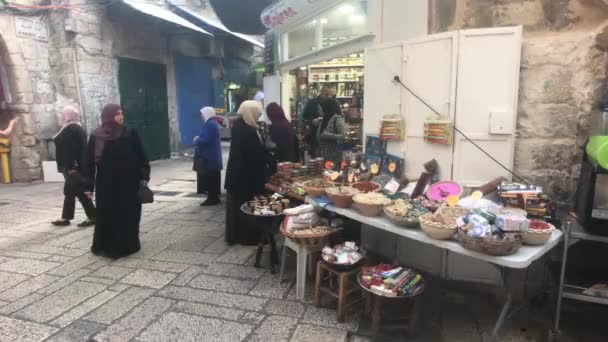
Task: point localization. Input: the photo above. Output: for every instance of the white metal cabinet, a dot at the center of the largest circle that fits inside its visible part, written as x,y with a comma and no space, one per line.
488,85
429,70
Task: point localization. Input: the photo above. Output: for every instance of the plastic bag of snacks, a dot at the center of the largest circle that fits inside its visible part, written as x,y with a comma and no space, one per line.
347,254
300,217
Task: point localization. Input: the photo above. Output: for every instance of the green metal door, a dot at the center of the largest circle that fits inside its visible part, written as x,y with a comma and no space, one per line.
143,94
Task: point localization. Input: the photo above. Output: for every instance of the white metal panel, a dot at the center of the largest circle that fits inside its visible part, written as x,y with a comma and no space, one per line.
402,20
488,82
272,89
382,95
429,70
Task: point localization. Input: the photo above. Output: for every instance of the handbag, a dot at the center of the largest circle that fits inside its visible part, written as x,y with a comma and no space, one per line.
145,194
75,183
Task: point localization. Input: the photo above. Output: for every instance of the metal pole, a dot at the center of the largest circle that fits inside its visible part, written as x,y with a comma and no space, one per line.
562,277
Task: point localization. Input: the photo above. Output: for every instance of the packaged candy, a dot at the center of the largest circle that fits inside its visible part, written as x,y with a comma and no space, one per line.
512,223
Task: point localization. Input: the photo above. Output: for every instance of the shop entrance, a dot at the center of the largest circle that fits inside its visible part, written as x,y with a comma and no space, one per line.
343,79
143,93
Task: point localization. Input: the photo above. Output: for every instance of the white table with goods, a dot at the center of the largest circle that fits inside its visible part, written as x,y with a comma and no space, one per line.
522,259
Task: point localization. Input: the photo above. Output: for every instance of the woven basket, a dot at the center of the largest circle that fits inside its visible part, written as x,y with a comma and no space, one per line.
502,247
309,239
313,192
537,236
400,220
435,230
369,210
341,200
454,212
359,186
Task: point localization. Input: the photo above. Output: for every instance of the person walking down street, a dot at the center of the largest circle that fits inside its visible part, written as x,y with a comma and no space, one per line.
282,134
208,158
246,174
333,130
118,164
70,147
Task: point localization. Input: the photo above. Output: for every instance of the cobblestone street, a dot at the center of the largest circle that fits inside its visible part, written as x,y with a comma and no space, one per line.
185,284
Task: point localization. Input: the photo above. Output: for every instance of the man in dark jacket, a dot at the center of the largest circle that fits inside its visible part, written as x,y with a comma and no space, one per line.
318,110
70,145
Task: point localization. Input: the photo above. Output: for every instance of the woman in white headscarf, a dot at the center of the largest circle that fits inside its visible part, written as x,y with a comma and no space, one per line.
246,174
208,158
70,145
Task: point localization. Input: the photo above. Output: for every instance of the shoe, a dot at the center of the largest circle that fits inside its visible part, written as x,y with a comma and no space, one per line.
86,223
209,203
61,223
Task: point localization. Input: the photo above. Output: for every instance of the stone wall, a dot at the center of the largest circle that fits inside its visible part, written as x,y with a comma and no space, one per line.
563,78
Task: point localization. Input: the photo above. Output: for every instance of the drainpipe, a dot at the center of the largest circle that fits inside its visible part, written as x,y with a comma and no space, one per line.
78,90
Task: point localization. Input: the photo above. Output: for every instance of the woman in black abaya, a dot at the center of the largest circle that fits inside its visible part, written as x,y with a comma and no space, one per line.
117,163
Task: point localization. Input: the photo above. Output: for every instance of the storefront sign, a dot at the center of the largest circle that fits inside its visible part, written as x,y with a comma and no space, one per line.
31,28
289,11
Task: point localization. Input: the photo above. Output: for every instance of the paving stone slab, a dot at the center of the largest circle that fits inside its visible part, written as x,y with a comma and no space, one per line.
327,318
25,255
284,308
219,246
70,238
252,317
186,276
270,287
96,280
234,271
215,298
65,281
118,287
112,272
274,328
208,310
79,331
8,280
194,243
119,305
147,278
70,252
84,308
59,302
83,244
74,265
28,266
17,330
135,321
224,284
312,333
236,255
179,327
27,287
150,249
59,258
193,258
20,303
151,265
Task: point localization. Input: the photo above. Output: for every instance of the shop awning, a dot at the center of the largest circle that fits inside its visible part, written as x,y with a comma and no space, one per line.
163,14
211,24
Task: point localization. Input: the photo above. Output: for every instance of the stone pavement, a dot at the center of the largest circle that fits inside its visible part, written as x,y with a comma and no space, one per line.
186,284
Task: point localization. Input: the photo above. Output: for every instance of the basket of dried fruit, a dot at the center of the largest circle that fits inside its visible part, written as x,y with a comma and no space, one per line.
538,233
342,196
371,203
367,186
405,213
495,245
316,187
438,226
313,236
454,212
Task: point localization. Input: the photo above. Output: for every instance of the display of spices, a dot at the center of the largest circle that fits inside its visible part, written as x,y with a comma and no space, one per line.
264,205
392,280
366,186
319,183
429,204
538,225
343,255
372,198
409,209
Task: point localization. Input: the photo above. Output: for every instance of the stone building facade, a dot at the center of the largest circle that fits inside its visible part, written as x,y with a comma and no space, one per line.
75,61
563,77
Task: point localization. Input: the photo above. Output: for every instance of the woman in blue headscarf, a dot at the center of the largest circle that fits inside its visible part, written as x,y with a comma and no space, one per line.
208,158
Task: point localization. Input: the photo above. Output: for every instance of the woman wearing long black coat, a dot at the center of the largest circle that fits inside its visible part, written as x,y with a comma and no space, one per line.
118,164
246,174
70,147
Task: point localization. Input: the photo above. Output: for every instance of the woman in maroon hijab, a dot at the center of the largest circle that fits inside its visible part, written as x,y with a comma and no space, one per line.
282,134
117,164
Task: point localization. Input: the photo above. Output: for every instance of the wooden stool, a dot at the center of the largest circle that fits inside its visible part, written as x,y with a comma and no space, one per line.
4,165
374,305
345,287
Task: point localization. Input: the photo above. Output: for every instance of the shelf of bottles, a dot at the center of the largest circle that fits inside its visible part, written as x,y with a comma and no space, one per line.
341,75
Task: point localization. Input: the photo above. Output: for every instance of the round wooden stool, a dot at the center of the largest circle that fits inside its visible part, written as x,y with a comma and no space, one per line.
345,286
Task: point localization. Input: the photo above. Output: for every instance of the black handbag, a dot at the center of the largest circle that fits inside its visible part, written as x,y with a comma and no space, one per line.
145,194
75,183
